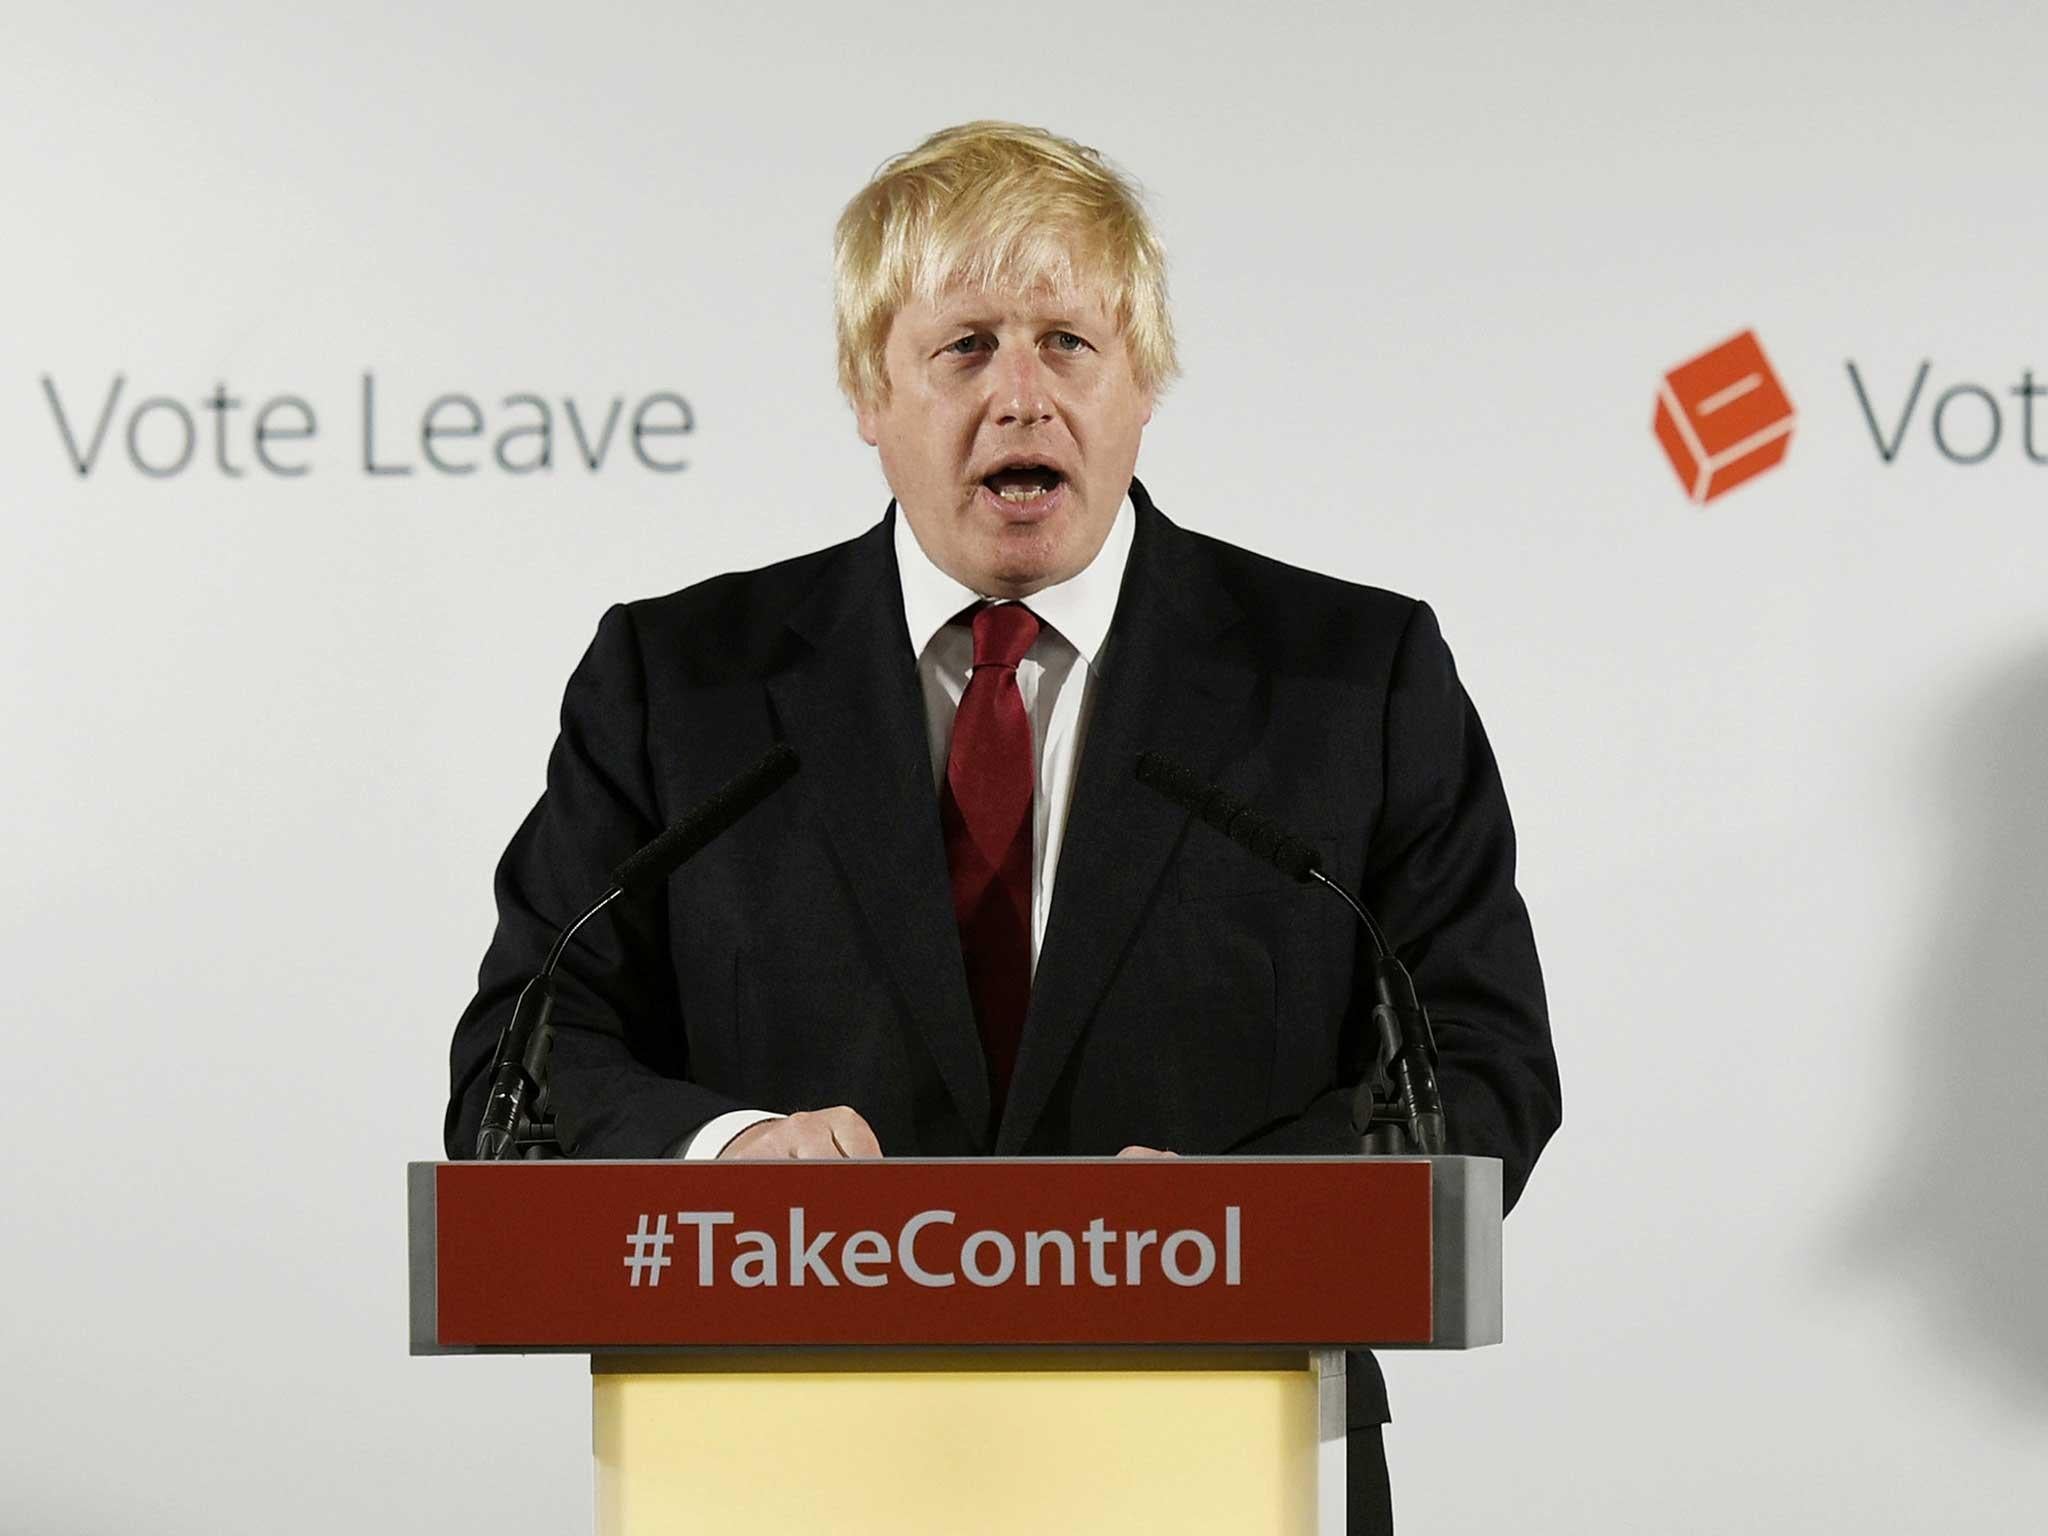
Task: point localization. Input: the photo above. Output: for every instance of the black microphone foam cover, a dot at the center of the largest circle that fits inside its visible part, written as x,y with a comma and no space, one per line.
689,833
1229,815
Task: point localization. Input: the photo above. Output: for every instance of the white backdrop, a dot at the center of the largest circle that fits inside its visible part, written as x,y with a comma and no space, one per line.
1779,764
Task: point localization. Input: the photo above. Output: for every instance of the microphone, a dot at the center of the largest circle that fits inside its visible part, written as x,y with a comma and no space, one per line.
515,1111
687,835
1258,835
1400,1093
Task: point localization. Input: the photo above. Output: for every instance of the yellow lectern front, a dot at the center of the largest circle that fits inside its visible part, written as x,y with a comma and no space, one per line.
1075,1441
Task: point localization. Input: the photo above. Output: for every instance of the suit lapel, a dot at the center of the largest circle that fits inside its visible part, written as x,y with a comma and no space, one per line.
1171,684
852,710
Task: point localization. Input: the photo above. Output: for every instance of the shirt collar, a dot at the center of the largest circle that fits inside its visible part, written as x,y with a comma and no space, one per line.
1080,607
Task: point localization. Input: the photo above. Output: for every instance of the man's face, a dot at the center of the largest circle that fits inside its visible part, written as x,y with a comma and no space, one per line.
1010,432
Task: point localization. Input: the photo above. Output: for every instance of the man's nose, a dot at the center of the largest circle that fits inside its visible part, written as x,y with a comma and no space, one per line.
1022,396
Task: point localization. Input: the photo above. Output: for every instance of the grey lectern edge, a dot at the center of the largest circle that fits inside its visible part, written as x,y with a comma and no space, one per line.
1465,1205
421,1228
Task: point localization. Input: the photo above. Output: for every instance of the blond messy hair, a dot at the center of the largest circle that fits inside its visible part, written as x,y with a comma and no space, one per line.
996,205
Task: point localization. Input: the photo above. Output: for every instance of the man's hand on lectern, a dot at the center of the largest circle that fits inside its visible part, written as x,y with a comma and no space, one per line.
835,1132
1137,1151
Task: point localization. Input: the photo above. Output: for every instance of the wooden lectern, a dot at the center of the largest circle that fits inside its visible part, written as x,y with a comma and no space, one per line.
951,1345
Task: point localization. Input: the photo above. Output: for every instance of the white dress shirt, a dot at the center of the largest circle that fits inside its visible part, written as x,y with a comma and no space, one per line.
1057,681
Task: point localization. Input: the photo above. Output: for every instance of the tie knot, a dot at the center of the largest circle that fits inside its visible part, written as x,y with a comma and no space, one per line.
1003,632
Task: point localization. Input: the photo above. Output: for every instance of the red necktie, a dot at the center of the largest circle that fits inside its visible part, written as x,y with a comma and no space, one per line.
985,808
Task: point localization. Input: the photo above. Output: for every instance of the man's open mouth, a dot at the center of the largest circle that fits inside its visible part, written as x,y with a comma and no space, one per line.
1022,483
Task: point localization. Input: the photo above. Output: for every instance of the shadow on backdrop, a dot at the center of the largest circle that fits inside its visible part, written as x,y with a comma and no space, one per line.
1960,1215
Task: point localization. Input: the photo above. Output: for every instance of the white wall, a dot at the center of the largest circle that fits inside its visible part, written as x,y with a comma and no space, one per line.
1779,764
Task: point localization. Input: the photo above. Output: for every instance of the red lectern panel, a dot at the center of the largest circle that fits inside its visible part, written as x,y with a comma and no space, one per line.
569,1255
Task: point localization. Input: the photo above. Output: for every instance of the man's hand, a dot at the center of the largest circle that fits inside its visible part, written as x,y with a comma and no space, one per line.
835,1132
1136,1151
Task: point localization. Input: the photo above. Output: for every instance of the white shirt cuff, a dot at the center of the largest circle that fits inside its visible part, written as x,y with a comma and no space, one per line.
716,1134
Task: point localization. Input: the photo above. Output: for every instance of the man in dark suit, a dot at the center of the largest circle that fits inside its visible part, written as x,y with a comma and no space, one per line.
966,927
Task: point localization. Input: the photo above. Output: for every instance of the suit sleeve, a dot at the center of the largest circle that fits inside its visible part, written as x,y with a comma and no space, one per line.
618,1079
1440,878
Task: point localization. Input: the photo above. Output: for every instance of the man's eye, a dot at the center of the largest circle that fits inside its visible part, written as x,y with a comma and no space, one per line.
963,346
1067,341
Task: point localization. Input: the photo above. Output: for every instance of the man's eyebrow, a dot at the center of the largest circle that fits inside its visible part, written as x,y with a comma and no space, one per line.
977,319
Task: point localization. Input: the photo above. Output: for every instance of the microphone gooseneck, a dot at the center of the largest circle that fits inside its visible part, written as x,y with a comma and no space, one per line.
1400,1094
515,1112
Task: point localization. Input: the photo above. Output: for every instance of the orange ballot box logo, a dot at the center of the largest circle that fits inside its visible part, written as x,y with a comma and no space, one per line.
1723,417
909,1252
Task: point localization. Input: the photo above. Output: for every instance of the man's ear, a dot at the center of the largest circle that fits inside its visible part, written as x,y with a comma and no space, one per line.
868,419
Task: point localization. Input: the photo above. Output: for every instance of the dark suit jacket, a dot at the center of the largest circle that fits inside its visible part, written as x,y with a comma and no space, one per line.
1186,995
